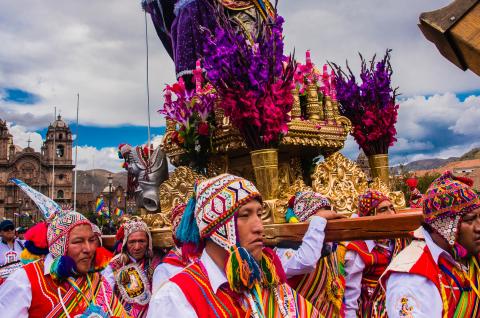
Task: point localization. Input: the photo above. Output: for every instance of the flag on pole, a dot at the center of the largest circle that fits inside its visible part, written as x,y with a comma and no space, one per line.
118,212
105,211
99,205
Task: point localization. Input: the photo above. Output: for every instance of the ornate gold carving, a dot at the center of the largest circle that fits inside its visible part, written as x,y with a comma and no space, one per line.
329,113
265,168
217,165
178,188
314,109
341,180
397,197
296,108
379,167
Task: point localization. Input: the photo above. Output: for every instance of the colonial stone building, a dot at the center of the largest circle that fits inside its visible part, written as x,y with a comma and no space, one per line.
48,171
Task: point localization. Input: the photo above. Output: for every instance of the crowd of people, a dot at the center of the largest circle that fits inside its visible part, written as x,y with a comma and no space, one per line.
220,266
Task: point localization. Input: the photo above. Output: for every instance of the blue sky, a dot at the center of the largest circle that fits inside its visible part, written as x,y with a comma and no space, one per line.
99,52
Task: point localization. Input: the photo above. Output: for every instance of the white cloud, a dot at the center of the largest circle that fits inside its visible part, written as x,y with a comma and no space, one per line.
104,158
97,48
21,135
350,149
469,118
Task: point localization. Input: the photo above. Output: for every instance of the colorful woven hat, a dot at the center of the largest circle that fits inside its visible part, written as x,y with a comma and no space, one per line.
133,226
212,214
447,199
304,205
217,200
368,201
59,231
175,217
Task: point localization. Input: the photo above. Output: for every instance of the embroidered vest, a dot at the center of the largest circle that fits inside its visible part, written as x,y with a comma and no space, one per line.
451,282
127,295
376,262
46,302
372,297
196,287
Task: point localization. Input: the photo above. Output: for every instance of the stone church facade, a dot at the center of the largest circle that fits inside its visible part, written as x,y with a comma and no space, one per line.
53,165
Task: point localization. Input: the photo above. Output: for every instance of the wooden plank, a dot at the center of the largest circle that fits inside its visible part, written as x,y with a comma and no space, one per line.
365,228
466,36
455,30
108,241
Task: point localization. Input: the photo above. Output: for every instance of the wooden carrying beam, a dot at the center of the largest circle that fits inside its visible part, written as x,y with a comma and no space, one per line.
455,31
365,228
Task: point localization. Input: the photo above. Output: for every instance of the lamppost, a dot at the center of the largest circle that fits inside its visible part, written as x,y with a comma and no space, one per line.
110,182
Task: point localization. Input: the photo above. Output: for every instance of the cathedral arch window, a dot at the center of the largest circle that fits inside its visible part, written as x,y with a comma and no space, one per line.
60,151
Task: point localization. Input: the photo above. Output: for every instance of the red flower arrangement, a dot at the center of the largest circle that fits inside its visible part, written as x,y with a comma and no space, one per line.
371,105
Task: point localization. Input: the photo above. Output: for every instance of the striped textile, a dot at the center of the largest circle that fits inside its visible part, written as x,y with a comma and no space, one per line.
324,287
195,286
46,302
298,306
372,297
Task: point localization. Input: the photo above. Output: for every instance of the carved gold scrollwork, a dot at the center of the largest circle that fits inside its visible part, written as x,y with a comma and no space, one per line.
397,197
341,180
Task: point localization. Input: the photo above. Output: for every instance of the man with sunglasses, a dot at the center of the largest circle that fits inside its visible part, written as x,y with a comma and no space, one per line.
365,261
10,246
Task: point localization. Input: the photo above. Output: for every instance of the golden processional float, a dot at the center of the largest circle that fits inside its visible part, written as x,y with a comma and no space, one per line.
204,137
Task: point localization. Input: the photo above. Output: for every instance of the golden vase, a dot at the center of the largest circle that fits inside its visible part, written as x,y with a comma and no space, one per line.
379,167
265,168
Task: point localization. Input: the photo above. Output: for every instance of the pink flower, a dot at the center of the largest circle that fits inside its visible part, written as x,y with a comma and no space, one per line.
203,129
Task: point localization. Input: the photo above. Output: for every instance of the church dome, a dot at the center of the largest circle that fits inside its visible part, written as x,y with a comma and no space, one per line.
59,123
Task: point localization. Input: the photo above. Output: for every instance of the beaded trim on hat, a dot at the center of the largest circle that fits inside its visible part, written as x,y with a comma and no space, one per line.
447,227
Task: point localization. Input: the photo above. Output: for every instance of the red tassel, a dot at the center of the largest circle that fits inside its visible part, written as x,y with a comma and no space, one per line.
291,202
467,181
102,258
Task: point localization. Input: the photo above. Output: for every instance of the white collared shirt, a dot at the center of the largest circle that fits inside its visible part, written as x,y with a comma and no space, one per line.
421,295
163,272
169,300
10,254
16,292
304,260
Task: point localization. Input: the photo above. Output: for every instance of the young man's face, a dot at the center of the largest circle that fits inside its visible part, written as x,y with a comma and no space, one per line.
82,246
8,233
385,208
250,228
137,244
469,232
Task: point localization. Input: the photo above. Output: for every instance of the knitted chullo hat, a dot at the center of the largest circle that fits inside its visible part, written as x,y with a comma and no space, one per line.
211,214
133,226
369,201
59,231
447,199
175,217
305,204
